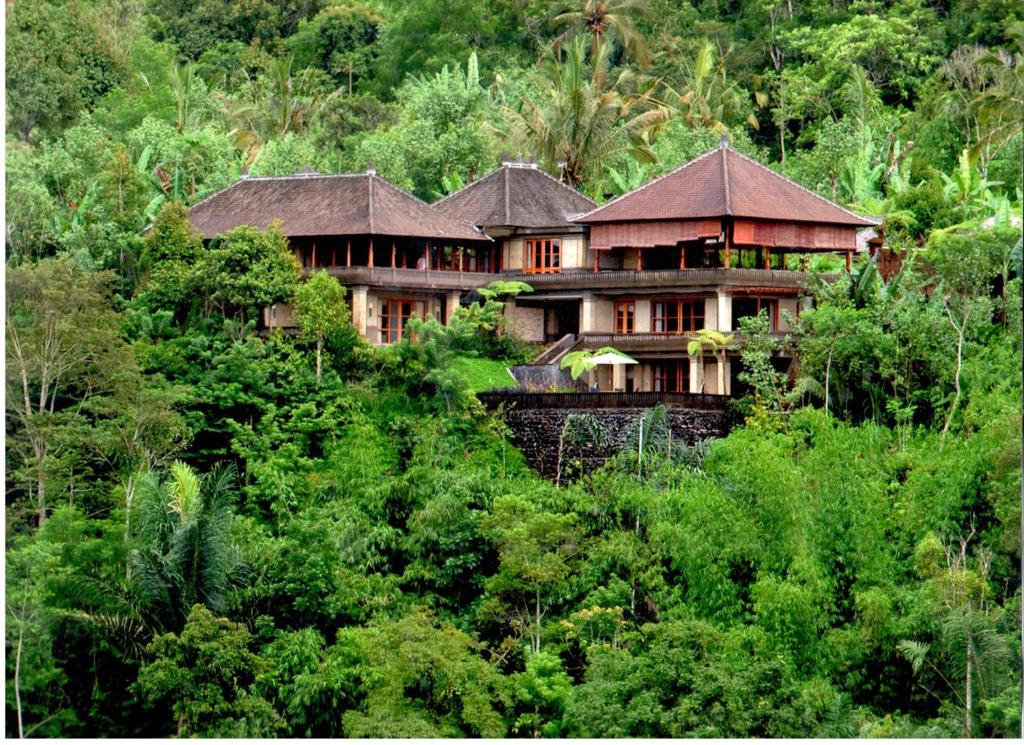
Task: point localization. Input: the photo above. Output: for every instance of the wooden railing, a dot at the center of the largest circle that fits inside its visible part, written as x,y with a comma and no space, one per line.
593,400
670,277
409,278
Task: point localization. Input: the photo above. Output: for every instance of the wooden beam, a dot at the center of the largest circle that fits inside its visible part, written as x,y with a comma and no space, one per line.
682,258
639,260
767,258
392,254
727,246
597,261
348,253
369,261
314,255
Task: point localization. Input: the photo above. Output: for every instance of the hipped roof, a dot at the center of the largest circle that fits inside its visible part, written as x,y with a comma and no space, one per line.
724,183
516,196
315,204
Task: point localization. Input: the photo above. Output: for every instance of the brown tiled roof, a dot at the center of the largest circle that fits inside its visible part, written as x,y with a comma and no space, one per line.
724,183
516,196
314,204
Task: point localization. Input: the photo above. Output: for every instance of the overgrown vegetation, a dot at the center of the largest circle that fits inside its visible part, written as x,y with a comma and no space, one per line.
213,533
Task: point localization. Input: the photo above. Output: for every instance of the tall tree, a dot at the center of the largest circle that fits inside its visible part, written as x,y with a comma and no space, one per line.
320,310
581,118
605,21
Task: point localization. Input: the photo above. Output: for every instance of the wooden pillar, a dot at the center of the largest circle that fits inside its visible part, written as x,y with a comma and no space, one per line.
392,254
334,254
314,255
369,261
849,261
639,260
682,258
426,255
348,253
767,258
597,261
460,258
727,246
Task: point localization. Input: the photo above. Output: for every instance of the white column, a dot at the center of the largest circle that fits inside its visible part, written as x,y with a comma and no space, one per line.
618,377
724,311
359,309
695,374
587,314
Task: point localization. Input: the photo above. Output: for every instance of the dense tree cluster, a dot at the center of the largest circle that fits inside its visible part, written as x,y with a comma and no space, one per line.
216,533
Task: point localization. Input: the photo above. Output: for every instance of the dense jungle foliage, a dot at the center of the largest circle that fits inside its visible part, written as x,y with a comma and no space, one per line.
216,533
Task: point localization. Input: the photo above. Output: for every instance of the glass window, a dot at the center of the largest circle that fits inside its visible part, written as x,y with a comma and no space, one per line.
625,316
543,256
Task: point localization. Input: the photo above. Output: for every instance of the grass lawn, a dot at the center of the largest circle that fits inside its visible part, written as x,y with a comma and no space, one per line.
483,373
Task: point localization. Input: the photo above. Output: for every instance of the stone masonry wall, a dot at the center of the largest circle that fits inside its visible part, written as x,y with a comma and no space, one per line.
536,432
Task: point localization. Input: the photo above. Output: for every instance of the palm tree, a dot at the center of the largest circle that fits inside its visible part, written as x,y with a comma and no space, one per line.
706,97
602,19
998,107
579,119
183,552
714,342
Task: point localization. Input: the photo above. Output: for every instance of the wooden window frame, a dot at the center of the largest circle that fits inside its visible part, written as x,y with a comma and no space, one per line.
385,315
625,316
679,382
773,313
686,322
549,258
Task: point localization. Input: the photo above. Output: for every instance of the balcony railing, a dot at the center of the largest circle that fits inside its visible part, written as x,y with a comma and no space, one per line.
660,278
411,279
593,400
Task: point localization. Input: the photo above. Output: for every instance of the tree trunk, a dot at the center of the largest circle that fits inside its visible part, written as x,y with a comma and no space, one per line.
828,373
319,359
968,698
536,638
17,681
959,365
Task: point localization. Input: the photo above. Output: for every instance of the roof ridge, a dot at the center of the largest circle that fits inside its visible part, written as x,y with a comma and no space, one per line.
369,198
508,210
804,188
300,176
725,177
650,183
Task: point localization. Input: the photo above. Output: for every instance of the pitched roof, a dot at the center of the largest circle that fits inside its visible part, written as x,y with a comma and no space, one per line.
723,183
516,196
314,204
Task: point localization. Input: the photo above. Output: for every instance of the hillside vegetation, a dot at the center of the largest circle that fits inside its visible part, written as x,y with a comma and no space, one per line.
216,533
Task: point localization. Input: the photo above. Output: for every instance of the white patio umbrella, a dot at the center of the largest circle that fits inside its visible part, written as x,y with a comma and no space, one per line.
612,358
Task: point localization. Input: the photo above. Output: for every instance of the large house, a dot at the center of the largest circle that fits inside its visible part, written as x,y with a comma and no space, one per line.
717,239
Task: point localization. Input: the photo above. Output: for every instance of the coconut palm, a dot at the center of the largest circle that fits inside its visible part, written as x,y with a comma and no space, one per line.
579,119
603,20
183,552
706,98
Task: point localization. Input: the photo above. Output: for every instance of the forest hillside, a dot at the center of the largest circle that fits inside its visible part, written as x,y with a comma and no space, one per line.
216,532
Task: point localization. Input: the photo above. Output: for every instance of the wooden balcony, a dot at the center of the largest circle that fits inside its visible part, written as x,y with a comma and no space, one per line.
645,344
408,279
653,281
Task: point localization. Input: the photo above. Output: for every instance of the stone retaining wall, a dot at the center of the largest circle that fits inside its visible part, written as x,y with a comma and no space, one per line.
536,432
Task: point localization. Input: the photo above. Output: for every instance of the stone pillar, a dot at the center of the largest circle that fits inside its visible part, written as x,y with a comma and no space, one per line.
724,311
359,309
695,363
618,377
642,318
722,378
451,305
587,314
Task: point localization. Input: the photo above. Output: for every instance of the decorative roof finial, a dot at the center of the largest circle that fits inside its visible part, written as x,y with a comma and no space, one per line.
371,168
724,142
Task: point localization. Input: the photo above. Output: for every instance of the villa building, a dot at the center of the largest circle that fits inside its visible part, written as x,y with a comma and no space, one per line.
717,239
394,253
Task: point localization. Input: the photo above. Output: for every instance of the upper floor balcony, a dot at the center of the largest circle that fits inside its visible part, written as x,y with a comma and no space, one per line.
658,280
409,279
